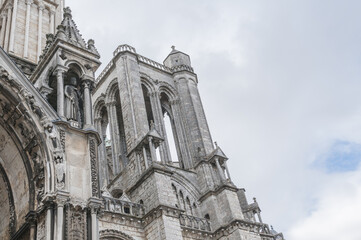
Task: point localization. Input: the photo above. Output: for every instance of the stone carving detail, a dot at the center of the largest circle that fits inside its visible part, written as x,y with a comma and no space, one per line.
71,101
76,223
62,139
60,171
41,235
94,168
3,143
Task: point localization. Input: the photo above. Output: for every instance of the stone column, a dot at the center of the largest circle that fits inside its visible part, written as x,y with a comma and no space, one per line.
94,221
60,220
114,134
49,213
3,26
227,170
7,33
13,26
220,170
145,158
152,149
52,20
60,92
40,27
31,220
94,205
27,28
87,104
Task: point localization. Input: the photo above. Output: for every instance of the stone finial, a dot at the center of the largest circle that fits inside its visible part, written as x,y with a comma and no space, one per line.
49,38
92,47
91,43
151,125
215,143
255,200
61,31
67,12
173,48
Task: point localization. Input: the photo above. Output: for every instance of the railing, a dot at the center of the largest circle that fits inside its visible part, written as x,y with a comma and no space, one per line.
104,72
123,207
154,64
194,222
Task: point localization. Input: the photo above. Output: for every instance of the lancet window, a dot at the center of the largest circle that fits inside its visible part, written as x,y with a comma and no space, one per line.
169,128
110,124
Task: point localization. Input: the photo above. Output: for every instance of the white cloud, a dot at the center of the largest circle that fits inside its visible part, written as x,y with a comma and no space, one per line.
337,214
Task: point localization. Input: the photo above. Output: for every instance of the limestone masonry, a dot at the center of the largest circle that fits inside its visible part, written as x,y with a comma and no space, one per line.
127,155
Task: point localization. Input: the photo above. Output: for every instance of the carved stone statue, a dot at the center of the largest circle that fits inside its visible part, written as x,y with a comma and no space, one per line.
71,105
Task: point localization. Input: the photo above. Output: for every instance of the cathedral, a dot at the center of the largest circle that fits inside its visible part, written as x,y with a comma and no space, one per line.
124,155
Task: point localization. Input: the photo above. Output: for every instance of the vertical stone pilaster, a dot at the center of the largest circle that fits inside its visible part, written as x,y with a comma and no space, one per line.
52,20
27,27
13,26
132,100
40,28
3,27
7,33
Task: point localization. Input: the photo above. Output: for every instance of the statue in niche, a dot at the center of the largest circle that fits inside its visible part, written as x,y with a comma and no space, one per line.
72,101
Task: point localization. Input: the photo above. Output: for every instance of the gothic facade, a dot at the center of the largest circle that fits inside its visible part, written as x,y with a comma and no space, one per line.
126,155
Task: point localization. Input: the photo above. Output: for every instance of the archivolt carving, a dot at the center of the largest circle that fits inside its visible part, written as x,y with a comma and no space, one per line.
111,234
12,222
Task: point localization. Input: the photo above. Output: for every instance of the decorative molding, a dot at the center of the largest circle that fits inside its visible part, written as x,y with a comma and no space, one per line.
94,167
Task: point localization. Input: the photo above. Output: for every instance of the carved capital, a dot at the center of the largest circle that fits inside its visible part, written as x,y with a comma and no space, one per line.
29,2
87,83
52,10
41,6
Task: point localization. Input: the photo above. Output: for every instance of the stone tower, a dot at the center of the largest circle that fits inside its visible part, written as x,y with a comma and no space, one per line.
127,155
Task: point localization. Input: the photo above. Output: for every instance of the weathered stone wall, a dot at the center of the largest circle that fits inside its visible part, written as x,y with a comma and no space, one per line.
78,165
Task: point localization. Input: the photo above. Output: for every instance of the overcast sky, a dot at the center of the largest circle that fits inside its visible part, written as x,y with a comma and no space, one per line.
280,82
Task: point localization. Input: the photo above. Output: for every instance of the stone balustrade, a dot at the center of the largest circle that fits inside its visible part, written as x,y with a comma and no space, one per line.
123,207
104,72
194,222
154,64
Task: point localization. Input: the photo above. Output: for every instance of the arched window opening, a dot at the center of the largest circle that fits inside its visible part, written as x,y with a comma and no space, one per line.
189,207
127,209
177,205
52,96
181,200
121,131
148,106
207,217
106,138
170,130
